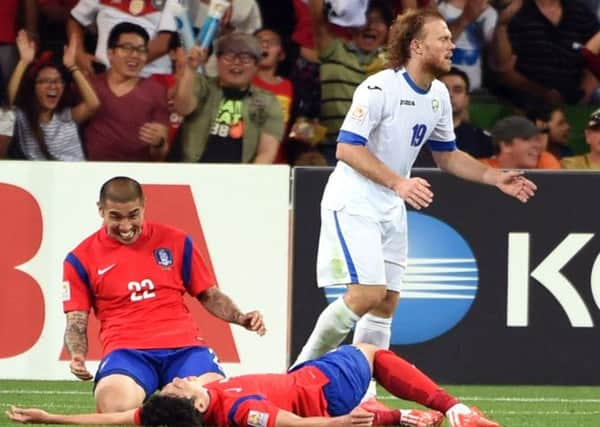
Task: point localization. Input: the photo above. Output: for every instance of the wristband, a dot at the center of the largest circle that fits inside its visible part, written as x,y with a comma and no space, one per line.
73,69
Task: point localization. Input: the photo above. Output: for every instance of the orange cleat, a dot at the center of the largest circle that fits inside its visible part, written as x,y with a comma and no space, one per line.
472,417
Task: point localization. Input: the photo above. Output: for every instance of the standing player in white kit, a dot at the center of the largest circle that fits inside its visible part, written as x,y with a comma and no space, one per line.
363,240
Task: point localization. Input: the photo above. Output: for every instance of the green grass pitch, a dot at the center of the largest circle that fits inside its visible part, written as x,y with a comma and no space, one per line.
511,406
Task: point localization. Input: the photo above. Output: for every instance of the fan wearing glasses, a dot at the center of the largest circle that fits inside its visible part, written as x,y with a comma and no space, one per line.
228,120
46,122
132,123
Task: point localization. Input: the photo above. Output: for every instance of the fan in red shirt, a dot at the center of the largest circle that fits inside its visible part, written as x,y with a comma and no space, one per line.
134,274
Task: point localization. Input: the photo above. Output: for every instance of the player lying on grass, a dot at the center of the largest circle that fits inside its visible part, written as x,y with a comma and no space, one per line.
322,392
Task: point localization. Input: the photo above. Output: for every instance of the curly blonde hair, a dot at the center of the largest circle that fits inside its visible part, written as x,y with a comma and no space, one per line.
406,28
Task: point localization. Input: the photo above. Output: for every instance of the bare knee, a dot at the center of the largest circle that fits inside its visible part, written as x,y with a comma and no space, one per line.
363,298
116,393
387,306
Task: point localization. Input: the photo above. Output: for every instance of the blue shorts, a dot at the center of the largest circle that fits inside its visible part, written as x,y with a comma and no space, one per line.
349,375
153,369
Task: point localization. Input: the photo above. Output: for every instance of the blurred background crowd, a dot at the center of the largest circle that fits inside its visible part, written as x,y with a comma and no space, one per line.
117,80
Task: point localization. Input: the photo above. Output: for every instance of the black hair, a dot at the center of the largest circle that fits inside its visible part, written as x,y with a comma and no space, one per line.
542,112
125,28
171,411
384,8
460,73
26,97
121,189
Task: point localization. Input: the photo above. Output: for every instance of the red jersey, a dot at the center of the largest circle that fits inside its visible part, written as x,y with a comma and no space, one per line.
137,290
255,400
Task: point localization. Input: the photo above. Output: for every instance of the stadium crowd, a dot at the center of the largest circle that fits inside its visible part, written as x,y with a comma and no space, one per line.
97,80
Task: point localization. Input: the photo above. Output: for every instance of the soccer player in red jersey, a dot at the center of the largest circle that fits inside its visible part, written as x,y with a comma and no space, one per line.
324,392
133,274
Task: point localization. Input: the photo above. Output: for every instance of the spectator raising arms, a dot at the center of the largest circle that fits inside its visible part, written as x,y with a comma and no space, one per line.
132,123
228,120
46,125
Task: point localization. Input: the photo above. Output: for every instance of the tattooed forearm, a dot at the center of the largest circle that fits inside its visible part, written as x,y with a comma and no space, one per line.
76,332
220,305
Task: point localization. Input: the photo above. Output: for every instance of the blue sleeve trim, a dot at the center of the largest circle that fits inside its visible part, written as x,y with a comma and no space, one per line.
349,262
441,145
186,265
236,405
80,269
351,138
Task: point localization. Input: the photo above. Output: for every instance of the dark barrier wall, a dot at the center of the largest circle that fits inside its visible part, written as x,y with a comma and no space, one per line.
498,292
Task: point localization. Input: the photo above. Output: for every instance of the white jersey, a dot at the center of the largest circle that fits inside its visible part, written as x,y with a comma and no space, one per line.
149,14
394,118
467,54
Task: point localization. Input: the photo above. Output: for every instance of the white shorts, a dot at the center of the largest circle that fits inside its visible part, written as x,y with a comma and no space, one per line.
355,249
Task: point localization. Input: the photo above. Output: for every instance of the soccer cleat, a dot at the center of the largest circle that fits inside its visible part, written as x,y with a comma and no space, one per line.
471,417
385,416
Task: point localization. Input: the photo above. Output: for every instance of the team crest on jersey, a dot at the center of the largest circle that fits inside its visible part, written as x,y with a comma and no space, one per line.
435,104
258,419
163,257
136,7
358,113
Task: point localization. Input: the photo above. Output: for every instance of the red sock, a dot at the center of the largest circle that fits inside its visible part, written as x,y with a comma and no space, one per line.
405,381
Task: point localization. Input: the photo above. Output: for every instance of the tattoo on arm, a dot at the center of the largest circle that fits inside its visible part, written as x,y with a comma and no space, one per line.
76,332
220,305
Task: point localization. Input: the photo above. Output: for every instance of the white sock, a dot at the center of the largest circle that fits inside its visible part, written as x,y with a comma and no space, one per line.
374,330
371,391
333,325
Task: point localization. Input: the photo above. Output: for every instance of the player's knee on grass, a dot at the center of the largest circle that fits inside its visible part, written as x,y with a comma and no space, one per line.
116,393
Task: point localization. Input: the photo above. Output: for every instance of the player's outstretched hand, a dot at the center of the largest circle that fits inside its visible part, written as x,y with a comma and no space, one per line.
516,185
414,191
253,321
79,369
25,416
358,417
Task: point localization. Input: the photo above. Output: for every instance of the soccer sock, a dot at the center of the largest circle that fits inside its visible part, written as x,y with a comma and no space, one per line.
374,330
332,327
405,381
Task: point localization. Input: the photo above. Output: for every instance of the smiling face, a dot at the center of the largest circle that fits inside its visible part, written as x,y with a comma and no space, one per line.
373,35
434,48
123,221
49,88
236,69
522,153
129,55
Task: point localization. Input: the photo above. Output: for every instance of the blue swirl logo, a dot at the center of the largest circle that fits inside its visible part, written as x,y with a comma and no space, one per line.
440,283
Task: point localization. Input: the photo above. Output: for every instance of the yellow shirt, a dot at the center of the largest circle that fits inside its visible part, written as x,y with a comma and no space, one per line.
579,162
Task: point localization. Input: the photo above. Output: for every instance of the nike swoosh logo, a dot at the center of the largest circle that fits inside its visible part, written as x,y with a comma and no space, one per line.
374,88
101,271
238,389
